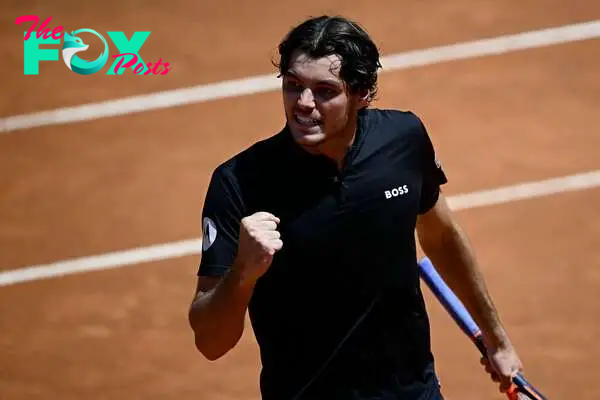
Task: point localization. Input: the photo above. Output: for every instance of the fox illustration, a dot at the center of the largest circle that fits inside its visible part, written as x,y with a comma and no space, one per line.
72,45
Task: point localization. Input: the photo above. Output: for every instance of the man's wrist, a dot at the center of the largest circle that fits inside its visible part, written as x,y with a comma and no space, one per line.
497,337
240,278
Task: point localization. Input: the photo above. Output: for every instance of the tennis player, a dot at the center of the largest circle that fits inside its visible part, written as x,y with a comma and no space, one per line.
312,230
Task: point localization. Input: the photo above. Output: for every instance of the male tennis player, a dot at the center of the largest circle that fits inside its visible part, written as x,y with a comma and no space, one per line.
312,230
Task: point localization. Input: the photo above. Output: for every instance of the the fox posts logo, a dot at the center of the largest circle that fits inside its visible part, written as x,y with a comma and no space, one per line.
72,44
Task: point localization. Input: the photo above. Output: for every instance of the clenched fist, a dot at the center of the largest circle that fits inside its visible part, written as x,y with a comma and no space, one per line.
259,241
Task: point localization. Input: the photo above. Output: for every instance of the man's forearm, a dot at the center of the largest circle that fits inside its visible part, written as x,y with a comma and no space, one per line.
456,262
217,316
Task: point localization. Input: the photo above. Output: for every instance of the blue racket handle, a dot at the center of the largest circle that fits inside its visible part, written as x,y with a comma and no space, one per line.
461,316
448,299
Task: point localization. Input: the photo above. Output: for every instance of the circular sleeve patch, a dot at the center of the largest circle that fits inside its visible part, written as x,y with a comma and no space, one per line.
209,230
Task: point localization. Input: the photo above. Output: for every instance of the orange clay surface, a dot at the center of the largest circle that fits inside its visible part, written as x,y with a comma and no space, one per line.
111,184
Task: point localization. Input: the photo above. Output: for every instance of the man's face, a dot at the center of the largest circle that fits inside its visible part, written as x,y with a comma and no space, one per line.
319,109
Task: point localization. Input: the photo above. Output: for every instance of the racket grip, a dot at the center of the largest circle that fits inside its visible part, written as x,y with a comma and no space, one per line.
449,300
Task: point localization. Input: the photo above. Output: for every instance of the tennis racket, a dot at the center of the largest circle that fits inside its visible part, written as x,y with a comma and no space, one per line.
461,316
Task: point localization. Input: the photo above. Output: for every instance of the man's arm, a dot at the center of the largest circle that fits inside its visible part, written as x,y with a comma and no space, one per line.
217,313
446,244
448,247
218,310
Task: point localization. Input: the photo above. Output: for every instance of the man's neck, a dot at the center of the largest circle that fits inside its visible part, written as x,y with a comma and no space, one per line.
337,149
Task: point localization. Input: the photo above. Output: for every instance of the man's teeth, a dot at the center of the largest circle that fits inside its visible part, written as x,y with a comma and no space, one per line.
306,121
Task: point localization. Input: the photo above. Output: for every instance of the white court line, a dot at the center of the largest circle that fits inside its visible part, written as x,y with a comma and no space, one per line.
526,190
265,83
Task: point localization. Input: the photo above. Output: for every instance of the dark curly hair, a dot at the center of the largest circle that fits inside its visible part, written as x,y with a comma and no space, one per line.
326,35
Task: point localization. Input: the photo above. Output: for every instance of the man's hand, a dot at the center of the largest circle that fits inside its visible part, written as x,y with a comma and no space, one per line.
502,364
258,243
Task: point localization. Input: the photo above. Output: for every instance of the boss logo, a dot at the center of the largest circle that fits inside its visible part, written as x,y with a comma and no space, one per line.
395,192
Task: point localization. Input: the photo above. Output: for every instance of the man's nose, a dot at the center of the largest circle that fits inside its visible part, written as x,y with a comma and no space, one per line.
306,99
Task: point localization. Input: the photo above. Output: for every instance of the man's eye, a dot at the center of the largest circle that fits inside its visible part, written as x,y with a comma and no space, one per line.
292,86
325,93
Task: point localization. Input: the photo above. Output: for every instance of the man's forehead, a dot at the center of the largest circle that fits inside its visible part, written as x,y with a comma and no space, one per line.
304,66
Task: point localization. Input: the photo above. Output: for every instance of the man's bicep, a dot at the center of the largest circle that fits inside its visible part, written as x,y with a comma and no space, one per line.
434,224
206,284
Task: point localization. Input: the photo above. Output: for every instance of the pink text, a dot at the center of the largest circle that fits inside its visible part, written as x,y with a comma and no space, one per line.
140,67
56,33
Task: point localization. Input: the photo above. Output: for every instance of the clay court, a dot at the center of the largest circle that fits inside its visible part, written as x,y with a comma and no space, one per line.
103,186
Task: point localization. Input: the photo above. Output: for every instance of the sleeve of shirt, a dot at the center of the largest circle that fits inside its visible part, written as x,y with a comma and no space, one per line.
433,173
221,217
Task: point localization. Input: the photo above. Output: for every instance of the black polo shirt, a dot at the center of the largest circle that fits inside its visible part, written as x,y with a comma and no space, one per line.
344,290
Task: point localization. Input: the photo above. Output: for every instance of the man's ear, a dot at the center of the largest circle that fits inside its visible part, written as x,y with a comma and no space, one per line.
364,98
